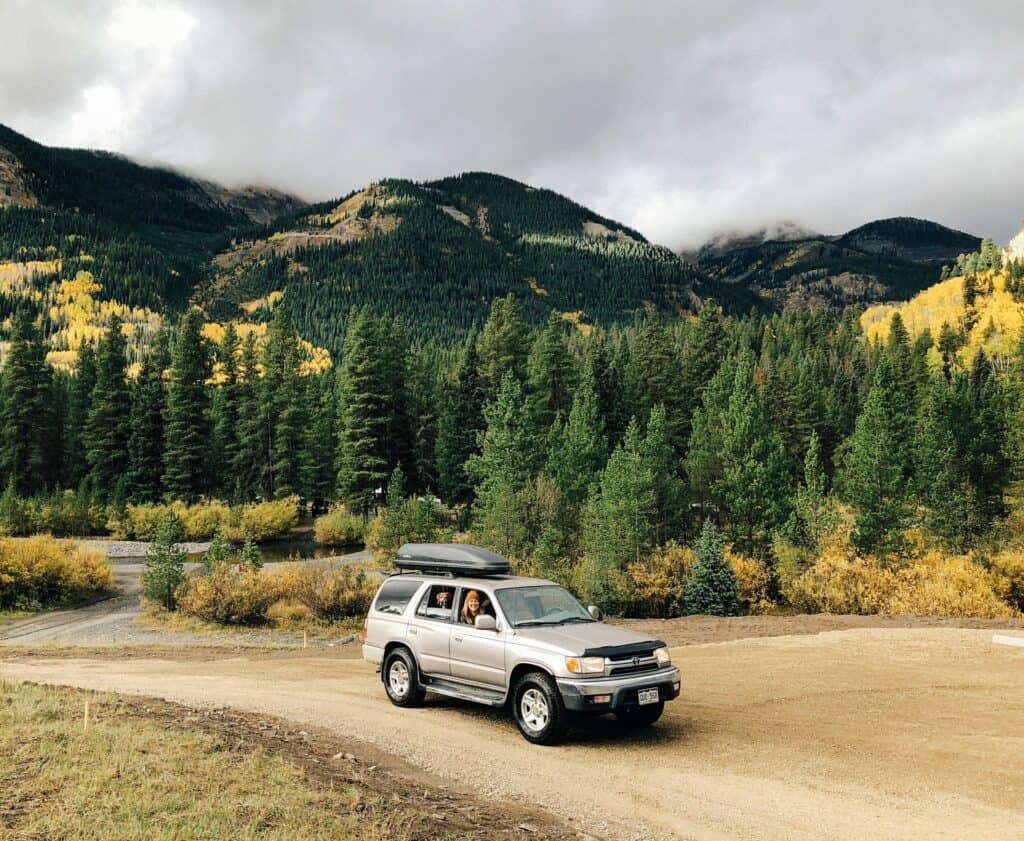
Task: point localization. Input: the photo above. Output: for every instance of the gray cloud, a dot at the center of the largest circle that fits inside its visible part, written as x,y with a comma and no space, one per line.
679,119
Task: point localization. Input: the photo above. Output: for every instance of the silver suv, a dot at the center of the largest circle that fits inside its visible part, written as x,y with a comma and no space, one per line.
456,623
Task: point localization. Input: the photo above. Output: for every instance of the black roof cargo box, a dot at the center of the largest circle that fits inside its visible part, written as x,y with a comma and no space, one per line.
456,558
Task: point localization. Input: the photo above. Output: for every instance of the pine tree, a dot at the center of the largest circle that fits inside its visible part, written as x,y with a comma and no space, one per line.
459,426
502,469
365,408
218,553
318,442
712,589
225,411
753,488
289,451
654,378
146,440
107,428
580,450
619,519
815,514
248,466
187,431
165,563
669,492
27,411
702,354
873,479
503,346
79,402
551,375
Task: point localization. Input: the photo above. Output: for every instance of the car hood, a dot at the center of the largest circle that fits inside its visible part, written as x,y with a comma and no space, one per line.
593,638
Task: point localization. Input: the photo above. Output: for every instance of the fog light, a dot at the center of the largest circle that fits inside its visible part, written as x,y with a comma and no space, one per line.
600,699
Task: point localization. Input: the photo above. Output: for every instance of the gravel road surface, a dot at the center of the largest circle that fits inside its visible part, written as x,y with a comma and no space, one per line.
865,733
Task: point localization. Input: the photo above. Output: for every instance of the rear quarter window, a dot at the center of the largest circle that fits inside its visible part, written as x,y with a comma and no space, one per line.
395,595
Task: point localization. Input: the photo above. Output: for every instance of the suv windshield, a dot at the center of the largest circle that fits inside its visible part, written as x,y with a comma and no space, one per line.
544,605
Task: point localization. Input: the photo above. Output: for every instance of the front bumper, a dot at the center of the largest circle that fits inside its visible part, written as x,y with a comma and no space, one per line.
586,695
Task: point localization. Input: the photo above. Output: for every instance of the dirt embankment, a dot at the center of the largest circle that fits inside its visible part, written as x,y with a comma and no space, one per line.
880,733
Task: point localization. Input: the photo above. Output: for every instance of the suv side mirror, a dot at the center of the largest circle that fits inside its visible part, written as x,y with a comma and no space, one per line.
484,622
595,612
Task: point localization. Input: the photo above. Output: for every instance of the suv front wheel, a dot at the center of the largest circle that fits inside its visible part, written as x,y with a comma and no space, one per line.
402,679
538,708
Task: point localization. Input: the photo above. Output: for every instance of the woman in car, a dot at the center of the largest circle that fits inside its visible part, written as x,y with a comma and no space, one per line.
471,608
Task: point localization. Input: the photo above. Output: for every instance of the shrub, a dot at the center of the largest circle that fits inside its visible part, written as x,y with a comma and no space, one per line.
422,520
204,519
940,585
264,520
339,527
165,563
140,522
334,592
599,583
1008,567
841,582
218,553
41,571
231,594
754,581
659,581
712,589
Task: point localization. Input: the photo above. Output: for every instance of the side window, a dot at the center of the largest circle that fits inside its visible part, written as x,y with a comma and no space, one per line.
437,603
395,594
473,602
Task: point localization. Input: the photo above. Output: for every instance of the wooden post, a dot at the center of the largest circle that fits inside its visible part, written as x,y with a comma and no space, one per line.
85,721
305,639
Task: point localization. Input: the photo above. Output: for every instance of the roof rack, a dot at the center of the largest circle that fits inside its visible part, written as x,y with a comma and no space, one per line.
451,559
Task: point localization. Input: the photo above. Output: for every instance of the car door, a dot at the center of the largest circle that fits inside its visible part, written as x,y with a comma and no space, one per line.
430,629
478,656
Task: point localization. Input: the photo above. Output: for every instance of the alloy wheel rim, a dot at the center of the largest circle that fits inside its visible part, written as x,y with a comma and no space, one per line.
533,709
398,677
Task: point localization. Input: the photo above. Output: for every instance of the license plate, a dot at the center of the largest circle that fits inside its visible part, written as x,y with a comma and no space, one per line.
647,696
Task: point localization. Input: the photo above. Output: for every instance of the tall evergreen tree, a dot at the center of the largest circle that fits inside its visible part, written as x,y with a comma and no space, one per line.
873,478
76,465
225,408
320,474
146,440
503,346
187,431
107,427
551,375
251,458
579,449
27,411
459,426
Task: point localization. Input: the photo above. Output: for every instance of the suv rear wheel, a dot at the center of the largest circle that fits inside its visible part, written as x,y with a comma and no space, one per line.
641,716
538,708
402,678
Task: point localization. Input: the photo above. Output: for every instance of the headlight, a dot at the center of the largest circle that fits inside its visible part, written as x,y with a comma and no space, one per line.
663,657
585,665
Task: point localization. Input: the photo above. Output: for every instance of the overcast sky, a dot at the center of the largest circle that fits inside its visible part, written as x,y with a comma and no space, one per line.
680,119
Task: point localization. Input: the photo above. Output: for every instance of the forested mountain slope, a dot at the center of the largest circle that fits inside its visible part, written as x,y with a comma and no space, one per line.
438,253
889,259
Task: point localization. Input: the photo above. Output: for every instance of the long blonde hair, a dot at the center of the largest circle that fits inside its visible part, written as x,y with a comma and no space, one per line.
466,617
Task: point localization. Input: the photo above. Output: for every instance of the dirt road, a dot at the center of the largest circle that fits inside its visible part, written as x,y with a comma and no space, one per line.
867,733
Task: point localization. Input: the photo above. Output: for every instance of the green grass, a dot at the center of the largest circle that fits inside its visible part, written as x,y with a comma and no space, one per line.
129,778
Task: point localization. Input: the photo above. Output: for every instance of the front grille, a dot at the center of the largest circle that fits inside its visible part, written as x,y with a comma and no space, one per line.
646,662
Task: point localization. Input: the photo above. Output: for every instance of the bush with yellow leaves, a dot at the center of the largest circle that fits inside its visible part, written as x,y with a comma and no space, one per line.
658,581
339,527
1008,568
754,580
257,521
340,591
230,594
935,585
41,571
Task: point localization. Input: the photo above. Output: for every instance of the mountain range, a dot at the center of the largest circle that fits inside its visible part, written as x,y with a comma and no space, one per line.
435,253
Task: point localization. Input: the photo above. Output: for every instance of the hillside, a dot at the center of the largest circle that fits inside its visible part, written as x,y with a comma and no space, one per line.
437,253
889,259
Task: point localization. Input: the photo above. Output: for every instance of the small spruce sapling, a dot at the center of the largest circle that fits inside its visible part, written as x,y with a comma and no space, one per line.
712,589
165,563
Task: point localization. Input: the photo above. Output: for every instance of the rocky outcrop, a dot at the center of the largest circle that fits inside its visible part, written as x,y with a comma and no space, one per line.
13,190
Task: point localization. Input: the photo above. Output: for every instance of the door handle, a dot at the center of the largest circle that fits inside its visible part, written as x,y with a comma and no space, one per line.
457,639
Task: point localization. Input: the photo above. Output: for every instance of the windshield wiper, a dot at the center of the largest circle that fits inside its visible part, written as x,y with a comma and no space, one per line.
574,619
531,622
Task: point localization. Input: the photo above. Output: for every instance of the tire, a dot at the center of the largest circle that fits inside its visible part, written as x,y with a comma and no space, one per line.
402,679
643,716
538,709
